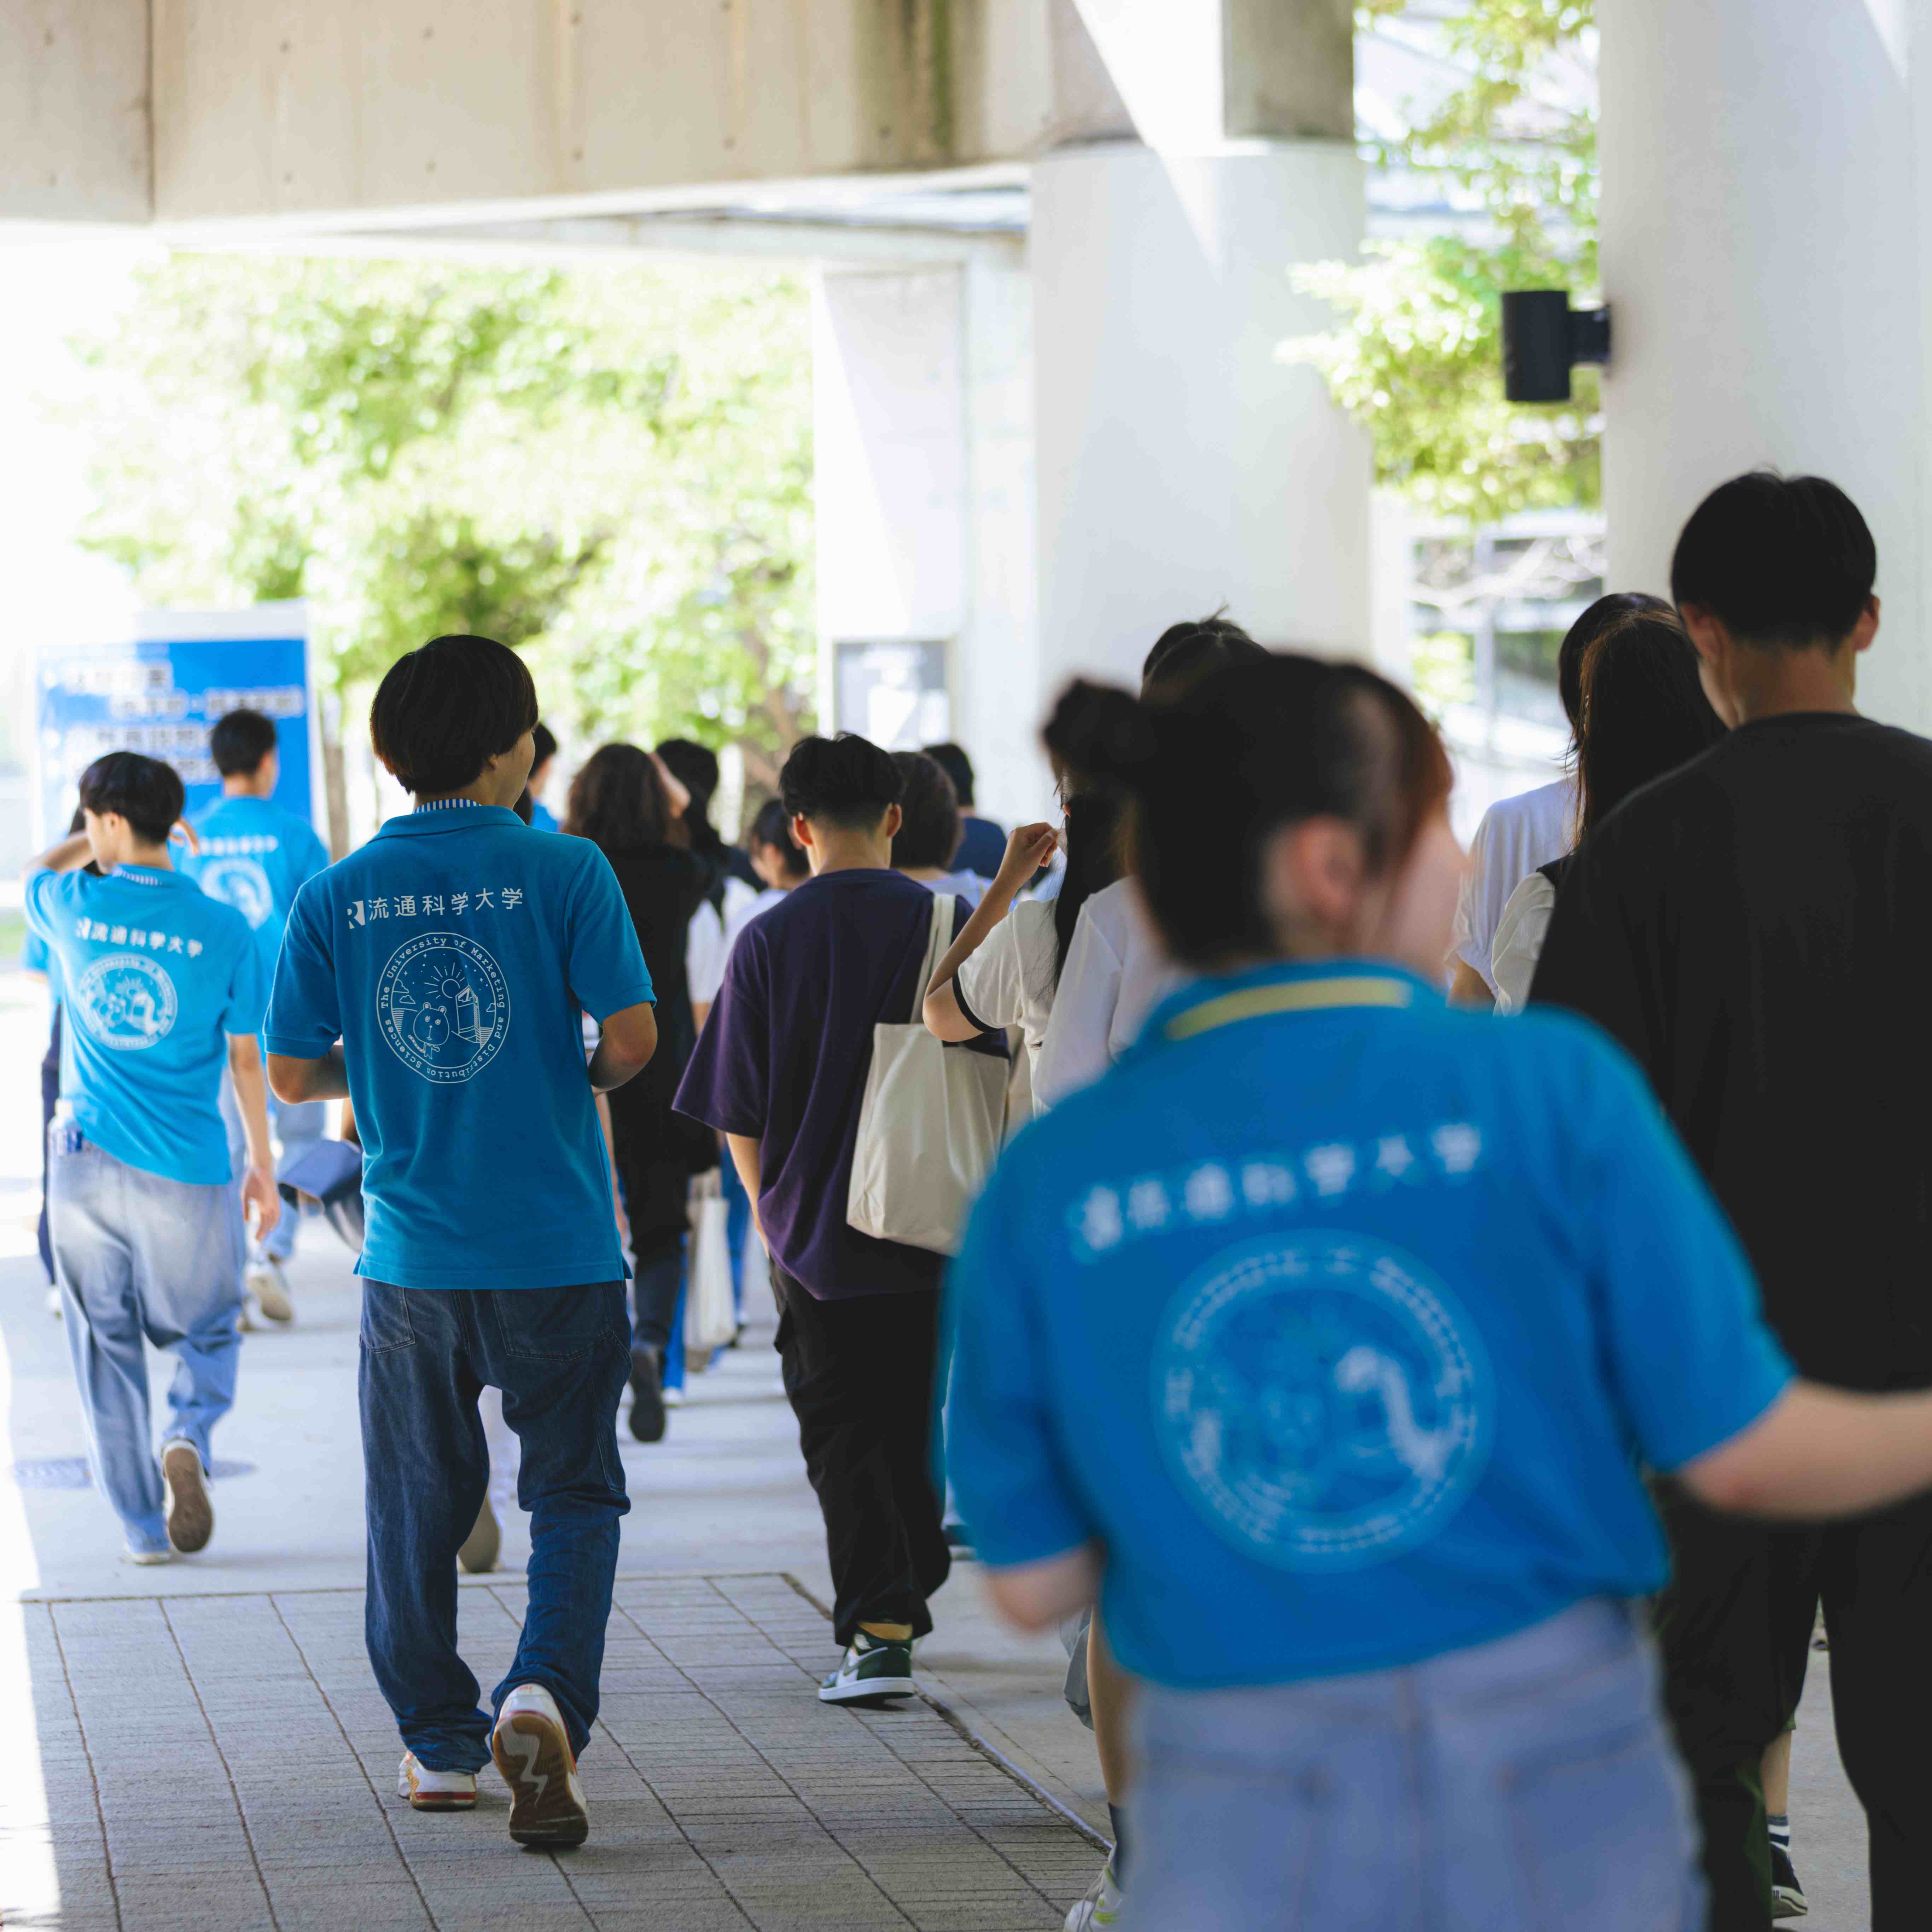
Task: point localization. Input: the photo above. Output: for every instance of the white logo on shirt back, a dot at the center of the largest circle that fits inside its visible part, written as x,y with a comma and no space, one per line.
126,1001
242,883
443,1006
1323,1400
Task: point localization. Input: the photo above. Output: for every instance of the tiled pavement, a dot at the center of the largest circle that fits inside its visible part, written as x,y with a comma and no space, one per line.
224,1763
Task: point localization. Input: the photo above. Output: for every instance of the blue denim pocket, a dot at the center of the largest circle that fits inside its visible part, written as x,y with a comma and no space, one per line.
1603,1833
386,1318
555,1324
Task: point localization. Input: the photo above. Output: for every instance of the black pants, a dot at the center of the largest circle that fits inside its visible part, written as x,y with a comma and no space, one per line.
860,1375
1735,1626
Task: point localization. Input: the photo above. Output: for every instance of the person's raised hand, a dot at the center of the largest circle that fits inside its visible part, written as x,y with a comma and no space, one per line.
186,833
1028,847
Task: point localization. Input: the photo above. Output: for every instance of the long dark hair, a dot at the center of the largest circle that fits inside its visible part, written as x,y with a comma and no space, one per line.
1094,861
617,800
1256,745
1645,712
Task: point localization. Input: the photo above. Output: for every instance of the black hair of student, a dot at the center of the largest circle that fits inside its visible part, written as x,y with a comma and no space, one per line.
544,739
146,793
1095,819
929,831
1585,632
238,741
1782,560
1188,650
847,781
617,800
525,806
772,827
1645,712
951,760
442,712
1250,749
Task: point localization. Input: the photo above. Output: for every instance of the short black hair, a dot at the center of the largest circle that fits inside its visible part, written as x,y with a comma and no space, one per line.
1607,610
443,712
928,834
695,767
771,828
545,741
146,793
846,780
1191,649
239,741
951,760
1781,560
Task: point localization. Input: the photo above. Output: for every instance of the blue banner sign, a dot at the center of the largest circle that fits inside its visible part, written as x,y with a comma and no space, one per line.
158,692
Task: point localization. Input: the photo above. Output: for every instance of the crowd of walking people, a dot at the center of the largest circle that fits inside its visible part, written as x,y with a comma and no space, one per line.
1433,1333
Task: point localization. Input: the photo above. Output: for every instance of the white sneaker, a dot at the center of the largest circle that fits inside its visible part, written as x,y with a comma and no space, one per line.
532,1751
147,1556
190,1515
673,1398
429,1790
266,1281
1101,1907
54,1307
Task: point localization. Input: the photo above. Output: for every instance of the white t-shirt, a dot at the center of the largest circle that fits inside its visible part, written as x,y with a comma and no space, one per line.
1516,835
1518,944
705,950
1117,972
1010,981
737,921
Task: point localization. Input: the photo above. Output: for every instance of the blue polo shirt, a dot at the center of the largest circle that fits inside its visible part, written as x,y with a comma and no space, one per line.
453,957
255,857
1342,1318
155,976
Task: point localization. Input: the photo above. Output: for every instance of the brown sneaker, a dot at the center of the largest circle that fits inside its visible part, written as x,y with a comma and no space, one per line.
532,1751
190,1515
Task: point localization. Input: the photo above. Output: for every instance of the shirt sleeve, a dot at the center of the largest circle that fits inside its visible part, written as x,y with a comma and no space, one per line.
1689,1353
1078,1047
990,989
1002,1440
248,989
315,859
1590,962
728,1083
42,900
304,1008
34,953
602,958
1520,933
1474,928
704,955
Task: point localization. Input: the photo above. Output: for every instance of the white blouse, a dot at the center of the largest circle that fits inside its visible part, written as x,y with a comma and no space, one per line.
1518,944
1010,981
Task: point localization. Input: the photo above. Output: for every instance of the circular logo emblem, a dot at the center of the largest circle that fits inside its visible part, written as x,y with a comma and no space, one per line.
126,1001
240,883
1323,1400
443,1007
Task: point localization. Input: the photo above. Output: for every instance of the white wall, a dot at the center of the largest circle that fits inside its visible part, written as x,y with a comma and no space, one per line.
1763,256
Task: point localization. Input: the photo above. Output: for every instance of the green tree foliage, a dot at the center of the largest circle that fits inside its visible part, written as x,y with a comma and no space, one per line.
1417,356
608,468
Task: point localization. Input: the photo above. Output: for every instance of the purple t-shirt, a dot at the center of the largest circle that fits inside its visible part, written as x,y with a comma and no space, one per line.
784,1058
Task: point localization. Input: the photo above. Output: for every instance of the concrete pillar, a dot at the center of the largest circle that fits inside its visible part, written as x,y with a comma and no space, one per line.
1764,257
1182,464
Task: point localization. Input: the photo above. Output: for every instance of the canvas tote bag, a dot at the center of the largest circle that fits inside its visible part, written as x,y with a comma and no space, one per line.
710,1314
929,1125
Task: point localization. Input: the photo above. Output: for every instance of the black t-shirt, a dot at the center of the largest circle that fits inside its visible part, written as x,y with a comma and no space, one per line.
1757,929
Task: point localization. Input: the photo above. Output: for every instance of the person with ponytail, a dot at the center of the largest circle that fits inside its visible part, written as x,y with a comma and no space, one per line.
1315,1339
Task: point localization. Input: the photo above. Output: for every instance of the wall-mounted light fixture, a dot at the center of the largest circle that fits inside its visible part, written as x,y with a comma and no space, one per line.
1543,338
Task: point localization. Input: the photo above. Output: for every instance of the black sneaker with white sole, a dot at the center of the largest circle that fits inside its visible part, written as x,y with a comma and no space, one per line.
1787,1895
875,1667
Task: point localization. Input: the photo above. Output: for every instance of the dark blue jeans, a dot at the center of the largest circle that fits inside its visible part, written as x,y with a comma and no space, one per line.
560,1356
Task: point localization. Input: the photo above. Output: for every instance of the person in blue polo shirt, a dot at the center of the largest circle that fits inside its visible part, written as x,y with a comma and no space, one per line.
163,991
1318,1335
438,977
255,856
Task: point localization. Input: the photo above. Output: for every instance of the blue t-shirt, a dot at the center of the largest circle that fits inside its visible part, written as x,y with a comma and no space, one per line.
453,956
542,819
255,857
155,976
1341,1317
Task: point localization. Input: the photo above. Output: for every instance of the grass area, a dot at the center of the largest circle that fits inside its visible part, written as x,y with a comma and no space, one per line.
13,935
